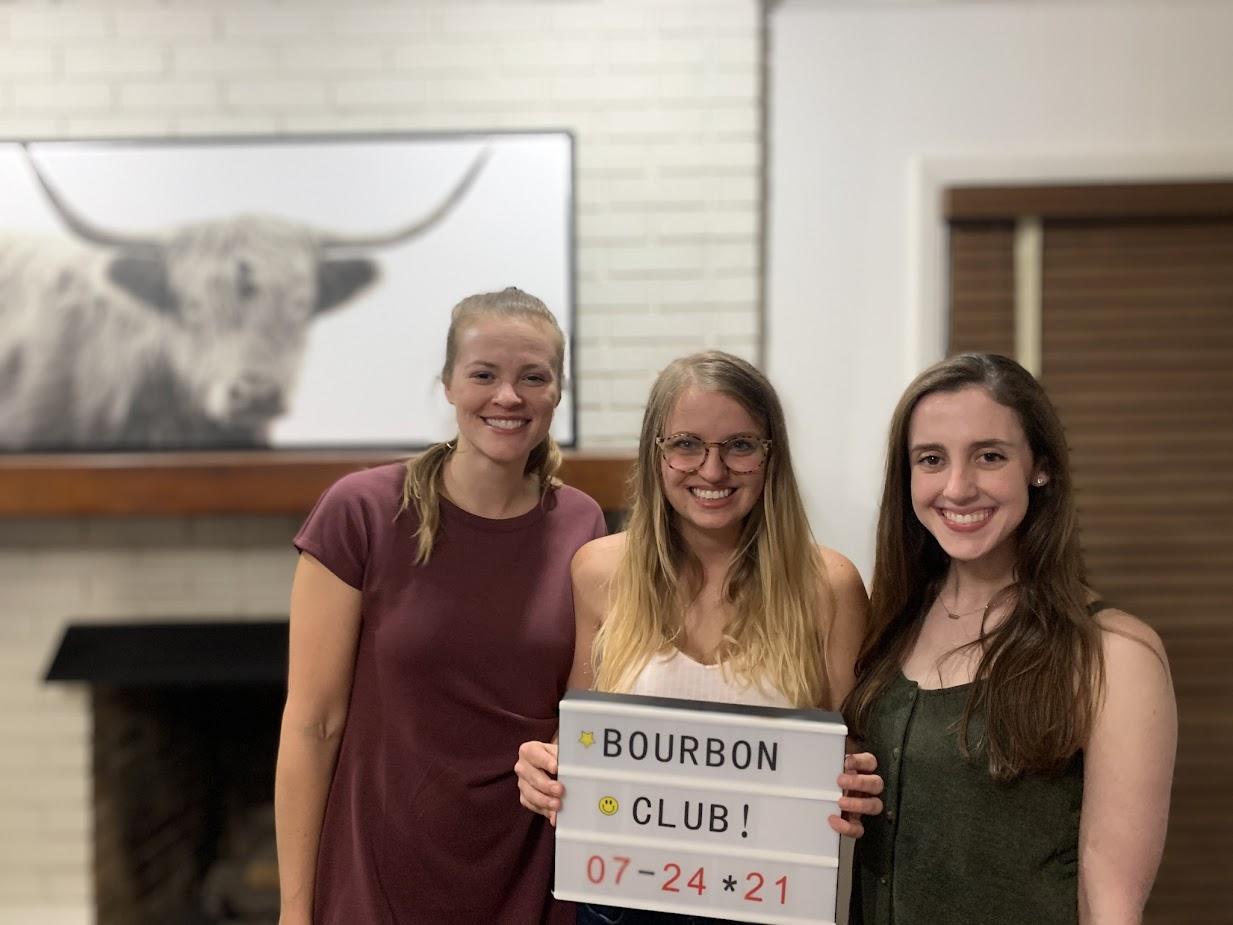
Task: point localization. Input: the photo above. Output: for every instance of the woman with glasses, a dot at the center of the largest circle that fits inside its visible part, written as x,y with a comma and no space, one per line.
715,591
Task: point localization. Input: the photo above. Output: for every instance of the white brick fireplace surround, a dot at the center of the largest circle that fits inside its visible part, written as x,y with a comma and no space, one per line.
664,99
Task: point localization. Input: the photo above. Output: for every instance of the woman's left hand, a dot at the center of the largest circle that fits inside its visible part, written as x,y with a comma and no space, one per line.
861,788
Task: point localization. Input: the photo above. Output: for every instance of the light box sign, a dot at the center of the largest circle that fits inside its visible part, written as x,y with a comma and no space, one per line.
699,808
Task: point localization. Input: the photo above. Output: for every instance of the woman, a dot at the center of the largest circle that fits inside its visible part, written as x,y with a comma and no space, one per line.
432,631
716,590
1025,729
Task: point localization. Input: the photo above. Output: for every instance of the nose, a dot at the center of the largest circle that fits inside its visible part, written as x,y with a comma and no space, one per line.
254,395
507,395
960,484
712,468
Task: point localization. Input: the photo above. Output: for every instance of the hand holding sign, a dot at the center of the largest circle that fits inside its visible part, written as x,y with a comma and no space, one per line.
861,788
703,808
538,789
540,792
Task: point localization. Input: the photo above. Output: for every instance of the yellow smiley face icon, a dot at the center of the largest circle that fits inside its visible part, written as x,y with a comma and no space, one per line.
608,806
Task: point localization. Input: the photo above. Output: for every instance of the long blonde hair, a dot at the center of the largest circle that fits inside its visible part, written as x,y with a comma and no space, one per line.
425,473
1041,671
772,584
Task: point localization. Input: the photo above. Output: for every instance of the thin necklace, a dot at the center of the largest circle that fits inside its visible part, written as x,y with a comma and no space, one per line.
958,616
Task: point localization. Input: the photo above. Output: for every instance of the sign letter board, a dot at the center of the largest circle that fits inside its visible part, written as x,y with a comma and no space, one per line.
699,808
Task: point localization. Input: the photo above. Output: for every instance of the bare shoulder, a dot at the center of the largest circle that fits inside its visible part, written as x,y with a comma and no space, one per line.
848,607
1128,643
843,620
595,562
591,570
1138,712
841,573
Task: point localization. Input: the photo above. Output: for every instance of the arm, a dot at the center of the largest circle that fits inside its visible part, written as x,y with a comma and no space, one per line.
849,621
848,624
325,626
590,572
1127,774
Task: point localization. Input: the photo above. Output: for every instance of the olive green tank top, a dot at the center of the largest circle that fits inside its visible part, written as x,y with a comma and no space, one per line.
954,847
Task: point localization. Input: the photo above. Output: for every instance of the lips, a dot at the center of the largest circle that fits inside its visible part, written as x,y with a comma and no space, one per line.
965,521
708,498
506,424
711,494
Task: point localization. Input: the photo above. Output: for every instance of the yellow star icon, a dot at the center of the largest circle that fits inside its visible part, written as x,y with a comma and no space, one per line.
587,739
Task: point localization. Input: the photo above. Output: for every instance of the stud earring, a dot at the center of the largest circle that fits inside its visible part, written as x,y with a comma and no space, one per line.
1040,480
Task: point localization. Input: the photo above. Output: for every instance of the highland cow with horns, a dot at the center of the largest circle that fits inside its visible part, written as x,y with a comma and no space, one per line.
189,339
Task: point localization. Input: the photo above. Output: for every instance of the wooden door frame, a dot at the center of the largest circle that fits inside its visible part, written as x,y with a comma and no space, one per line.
928,267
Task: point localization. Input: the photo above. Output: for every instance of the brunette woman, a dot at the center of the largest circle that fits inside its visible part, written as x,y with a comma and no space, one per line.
1025,728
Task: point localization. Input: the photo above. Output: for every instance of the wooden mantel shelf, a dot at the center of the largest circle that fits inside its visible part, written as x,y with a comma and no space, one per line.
129,484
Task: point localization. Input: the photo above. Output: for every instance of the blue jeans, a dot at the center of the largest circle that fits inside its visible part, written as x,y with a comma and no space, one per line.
614,915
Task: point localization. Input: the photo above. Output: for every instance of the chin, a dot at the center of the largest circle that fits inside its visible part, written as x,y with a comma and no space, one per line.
708,523
714,521
963,553
504,453
503,446
971,551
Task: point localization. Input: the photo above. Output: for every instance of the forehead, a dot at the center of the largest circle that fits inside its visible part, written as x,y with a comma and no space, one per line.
963,417
497,340
711,415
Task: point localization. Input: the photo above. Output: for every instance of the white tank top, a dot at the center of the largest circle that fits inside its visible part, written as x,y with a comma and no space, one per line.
675,674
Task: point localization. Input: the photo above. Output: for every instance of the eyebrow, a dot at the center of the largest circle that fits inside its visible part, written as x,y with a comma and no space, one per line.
990,441
488,364
740,433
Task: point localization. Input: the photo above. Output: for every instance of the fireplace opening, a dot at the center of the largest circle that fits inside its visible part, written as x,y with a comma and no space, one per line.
185,733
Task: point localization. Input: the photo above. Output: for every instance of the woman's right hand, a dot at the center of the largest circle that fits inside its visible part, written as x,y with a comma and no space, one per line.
538,788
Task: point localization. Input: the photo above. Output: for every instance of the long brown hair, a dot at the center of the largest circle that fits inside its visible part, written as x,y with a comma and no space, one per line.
1041,671
425,472
775,573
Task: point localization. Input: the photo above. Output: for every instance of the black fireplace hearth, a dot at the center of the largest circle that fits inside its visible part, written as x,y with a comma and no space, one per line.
185,733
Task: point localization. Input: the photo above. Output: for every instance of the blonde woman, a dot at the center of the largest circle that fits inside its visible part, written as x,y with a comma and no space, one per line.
716,590
431,630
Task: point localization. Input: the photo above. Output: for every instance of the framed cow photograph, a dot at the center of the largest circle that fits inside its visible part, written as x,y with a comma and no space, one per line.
263,293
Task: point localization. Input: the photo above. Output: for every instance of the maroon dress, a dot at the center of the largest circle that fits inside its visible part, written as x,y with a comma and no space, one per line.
458,662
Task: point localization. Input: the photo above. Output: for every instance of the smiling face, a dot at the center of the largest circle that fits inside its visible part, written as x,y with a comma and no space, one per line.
504,387
711,499
971,468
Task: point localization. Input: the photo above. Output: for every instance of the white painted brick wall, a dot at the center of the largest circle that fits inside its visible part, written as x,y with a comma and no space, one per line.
663,97
97,570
